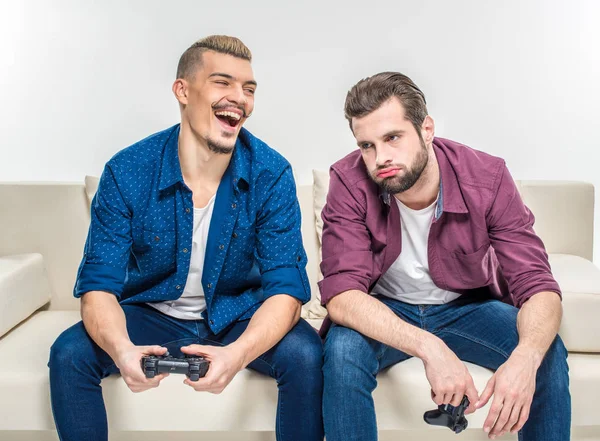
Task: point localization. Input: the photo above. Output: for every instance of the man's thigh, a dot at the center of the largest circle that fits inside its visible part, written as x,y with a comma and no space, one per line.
145,327
481,332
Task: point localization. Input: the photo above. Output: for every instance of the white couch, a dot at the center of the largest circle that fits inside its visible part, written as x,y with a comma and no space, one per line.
42,231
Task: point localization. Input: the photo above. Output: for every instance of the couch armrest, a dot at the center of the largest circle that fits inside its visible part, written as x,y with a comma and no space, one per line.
24,288
579,280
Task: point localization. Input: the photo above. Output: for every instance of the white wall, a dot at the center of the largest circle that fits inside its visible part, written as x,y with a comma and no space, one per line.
520,79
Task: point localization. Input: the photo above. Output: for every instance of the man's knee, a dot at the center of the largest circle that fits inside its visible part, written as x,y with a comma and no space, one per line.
348,350
70,348
301,349
554,370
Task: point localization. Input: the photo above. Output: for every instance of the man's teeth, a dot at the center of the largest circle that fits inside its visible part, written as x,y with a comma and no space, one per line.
229,115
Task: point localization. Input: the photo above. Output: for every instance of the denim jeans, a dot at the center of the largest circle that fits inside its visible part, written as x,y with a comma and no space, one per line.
77,366
482,332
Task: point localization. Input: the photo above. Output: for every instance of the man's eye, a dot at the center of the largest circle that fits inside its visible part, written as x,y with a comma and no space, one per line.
250,91
224,83
365,146
392,138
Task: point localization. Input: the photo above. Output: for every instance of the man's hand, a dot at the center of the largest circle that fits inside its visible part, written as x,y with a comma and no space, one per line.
449,378
128,361
225,363
513,386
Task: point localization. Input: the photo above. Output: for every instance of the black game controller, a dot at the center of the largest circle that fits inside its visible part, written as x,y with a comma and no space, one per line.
194,367
449,416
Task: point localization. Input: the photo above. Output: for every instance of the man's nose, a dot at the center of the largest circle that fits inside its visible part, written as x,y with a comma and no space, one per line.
384,155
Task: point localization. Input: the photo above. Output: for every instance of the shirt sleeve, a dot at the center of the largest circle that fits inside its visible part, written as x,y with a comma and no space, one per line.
521,253
279,251
347,256
108,245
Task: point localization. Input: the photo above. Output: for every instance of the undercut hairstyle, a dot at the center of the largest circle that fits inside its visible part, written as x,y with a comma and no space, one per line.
370,93
191,59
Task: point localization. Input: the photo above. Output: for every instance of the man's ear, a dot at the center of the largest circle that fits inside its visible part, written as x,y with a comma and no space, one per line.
428,129
180,90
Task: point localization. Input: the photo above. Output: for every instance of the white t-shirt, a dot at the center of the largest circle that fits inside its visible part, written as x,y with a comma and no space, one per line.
408,279
192,302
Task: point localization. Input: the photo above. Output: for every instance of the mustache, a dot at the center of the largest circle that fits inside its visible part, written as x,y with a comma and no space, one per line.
385,166
217,107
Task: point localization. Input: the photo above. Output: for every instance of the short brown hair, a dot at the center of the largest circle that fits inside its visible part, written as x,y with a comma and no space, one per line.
223,44
370,93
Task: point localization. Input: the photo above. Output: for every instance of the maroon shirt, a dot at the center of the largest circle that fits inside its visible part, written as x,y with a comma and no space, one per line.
481,240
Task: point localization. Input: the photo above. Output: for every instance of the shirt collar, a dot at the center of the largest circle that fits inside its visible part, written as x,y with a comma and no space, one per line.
452,200
450,197
170,169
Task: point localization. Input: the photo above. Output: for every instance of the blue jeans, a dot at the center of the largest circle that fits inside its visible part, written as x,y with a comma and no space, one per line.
77,366
482,332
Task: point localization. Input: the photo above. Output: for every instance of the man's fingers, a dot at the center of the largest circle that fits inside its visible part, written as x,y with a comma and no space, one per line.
473,397
502,419
512,419
523,417
154,350
196,349
456,399
487,392
493,414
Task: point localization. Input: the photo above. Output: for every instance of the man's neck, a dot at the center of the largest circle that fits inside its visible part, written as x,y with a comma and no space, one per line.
198,163
202,169
426,189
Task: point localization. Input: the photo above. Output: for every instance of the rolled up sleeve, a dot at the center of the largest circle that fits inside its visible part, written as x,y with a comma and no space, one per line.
347,256
521,253
108,245
279,251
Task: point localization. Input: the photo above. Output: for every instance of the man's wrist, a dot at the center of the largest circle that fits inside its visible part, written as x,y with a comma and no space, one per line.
241,353
428,347
535,355
119,348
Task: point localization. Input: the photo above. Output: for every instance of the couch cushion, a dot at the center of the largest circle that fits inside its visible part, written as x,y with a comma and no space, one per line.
579,280
91,187
24,288
320,189
248,404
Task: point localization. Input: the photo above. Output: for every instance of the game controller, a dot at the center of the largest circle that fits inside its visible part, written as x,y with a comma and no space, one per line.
449,416
194,367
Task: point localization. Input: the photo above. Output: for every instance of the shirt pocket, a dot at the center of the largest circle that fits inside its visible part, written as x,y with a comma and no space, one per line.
474,269
154,251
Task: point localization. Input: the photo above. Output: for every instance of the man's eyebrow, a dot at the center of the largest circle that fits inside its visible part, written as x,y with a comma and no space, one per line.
394,133
231,77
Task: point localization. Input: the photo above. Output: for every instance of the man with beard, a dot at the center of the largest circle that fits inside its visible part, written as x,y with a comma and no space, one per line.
429,252
194,247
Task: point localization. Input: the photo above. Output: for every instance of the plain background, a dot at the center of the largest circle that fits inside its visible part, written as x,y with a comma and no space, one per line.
82,79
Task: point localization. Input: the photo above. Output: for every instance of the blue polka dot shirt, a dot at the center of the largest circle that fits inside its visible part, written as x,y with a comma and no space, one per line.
140,237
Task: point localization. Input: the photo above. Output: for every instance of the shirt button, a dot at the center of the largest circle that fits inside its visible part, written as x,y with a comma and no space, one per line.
156,238
221,246
234,206
187,210
209,286
299,258
185,250
178,287
234,235
212,322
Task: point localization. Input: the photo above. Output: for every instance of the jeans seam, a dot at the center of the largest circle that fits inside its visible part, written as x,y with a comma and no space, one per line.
474,340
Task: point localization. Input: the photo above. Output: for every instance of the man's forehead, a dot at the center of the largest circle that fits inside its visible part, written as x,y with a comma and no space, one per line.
234,67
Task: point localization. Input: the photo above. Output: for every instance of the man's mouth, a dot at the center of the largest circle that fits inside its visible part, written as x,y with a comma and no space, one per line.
229,119
387,172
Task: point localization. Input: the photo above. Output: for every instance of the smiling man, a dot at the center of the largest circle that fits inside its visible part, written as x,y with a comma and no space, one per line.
429,251
194,247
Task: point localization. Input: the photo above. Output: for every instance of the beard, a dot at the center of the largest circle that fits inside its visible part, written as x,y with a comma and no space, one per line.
399,184
220,147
